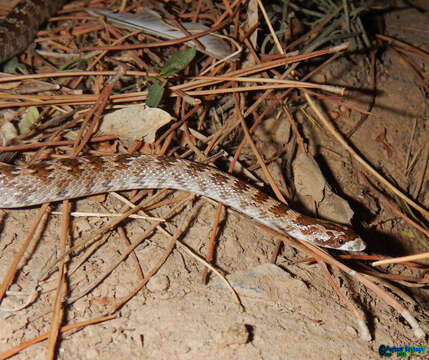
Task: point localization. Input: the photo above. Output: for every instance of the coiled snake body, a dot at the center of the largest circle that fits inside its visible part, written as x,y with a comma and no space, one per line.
22,23
70,178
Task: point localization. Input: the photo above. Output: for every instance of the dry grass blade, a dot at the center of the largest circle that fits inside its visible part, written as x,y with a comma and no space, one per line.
10,275
212,242
58,312
402,259
270,27
83,138
256,152
364,331
412,49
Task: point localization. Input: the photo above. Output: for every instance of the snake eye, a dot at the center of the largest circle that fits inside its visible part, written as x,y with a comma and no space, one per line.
340,241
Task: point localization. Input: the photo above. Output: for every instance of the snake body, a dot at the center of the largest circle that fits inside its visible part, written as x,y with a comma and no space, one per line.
60,179
71,178
20,26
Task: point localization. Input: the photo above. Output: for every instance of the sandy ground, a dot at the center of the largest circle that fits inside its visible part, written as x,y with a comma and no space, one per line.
291,312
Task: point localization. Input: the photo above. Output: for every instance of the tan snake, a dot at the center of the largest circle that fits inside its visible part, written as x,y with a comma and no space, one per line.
71,178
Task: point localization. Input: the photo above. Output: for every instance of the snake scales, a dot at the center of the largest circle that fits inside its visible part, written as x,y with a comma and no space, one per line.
22,23
71,178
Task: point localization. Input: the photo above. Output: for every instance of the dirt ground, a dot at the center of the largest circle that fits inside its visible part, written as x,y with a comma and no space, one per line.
291,311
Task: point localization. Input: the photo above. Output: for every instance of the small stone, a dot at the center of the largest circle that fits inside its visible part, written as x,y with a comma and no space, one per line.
158,283
236,334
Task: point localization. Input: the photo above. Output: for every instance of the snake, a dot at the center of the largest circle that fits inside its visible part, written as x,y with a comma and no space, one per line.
59,179
22,23
68,178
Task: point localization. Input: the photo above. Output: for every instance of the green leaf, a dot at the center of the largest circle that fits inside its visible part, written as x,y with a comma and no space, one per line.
178,61
28,119
72,64
154,95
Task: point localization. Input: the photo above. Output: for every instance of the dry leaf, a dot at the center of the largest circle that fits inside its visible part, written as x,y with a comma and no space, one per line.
152,23
135,122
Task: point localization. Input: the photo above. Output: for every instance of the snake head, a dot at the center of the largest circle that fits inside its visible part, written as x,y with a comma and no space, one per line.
327,234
